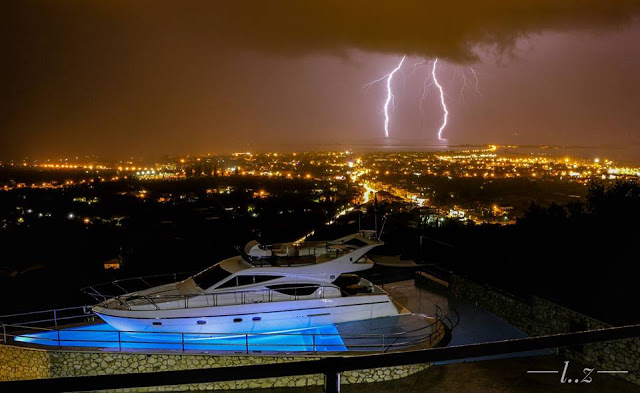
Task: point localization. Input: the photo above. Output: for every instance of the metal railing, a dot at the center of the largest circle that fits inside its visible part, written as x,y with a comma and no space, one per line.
331,367
230,297
45,319
53,317
45,329
132,284
446,317
125,299
224,342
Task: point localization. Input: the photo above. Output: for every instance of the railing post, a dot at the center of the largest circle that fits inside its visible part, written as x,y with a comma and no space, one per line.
55,318
182,334
331,382
119,342
382,342
314,342
246,342
59,343
4,333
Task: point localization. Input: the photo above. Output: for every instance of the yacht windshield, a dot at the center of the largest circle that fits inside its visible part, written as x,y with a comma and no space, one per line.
207,278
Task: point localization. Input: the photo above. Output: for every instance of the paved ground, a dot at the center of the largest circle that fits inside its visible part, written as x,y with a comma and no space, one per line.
491,376
476,325
389,333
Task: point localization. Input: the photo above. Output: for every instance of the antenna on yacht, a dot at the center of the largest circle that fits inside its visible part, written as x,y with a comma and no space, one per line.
375,212
384,221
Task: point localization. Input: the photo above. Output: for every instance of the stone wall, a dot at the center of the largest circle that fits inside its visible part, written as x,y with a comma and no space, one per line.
536,316
25,363
22,363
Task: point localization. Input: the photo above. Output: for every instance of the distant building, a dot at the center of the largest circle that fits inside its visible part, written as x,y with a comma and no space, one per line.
456,213
112,264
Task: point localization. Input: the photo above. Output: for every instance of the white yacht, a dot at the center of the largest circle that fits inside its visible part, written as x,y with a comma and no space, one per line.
276,288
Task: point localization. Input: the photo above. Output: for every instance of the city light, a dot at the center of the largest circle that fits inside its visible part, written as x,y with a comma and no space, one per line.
399,174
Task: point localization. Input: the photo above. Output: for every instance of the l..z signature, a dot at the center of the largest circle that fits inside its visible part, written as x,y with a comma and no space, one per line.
585,378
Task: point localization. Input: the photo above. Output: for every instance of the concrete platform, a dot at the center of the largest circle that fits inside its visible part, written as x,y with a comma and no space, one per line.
476,325
403,332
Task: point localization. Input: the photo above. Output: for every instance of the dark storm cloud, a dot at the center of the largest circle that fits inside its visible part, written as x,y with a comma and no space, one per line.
133,77
447,29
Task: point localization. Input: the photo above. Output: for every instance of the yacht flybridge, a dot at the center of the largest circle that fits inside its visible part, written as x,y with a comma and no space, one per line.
274,288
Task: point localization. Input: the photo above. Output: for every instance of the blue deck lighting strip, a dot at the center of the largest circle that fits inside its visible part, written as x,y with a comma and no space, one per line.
321,339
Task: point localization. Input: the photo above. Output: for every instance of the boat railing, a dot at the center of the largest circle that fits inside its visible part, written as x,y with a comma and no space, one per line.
76,337
230,297
103,291
49,319
451,319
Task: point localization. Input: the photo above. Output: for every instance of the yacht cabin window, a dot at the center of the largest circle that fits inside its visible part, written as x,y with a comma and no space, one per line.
211,276
238,281
244,280
295,289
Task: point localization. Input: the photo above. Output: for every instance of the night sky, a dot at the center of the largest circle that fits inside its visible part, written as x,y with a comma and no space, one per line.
145,78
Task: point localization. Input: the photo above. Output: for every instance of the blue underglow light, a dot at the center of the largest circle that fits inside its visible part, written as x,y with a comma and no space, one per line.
320,339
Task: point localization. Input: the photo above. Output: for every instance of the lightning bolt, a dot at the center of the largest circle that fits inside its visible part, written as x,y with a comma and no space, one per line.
389,100
464,82
425,92
368,85
467,81
444,105
478,92
430,79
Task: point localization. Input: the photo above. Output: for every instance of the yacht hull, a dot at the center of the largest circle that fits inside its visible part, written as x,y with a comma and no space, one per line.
252,318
